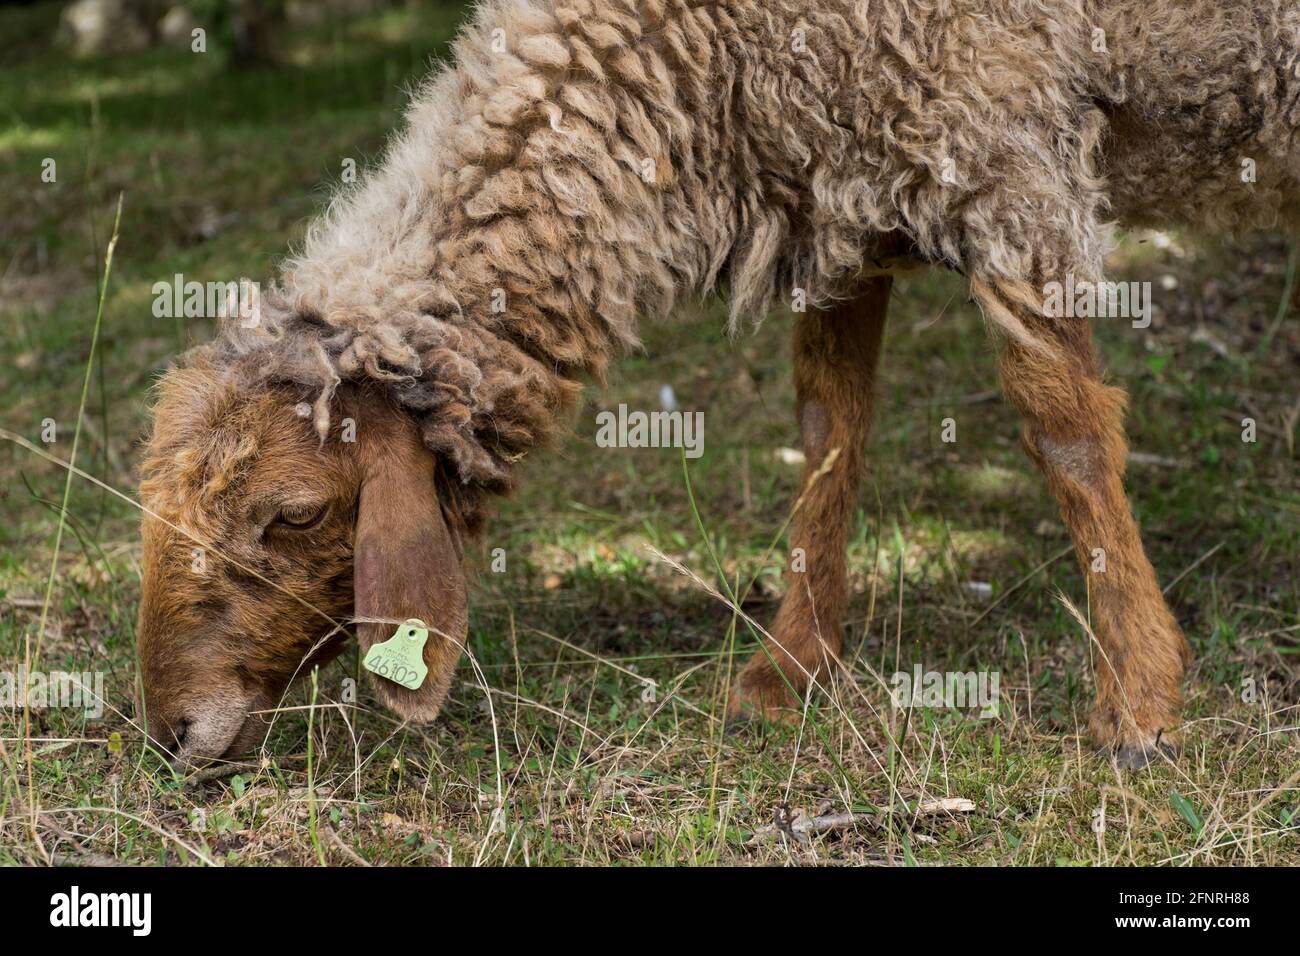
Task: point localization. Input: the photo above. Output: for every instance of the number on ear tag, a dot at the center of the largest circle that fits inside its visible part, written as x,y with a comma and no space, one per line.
400,659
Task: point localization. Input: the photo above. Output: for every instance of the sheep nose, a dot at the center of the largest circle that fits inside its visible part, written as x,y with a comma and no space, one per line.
199,731
169,733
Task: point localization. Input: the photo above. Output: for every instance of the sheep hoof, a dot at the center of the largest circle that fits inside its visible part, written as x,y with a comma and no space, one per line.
760,696
742,718
737,723
1134,754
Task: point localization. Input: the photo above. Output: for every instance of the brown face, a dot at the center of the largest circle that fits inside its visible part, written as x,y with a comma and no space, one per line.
261,544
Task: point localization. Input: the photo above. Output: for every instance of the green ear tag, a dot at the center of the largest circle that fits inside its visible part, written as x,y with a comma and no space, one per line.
401,657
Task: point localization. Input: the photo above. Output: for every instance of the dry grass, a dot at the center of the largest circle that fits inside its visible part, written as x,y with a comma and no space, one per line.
585,725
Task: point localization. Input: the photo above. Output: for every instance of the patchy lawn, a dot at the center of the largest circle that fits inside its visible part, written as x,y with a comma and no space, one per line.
589,731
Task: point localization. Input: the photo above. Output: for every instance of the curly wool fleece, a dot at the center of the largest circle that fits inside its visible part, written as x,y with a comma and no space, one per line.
585,163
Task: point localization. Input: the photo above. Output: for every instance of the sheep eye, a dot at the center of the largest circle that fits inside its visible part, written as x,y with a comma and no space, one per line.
300,517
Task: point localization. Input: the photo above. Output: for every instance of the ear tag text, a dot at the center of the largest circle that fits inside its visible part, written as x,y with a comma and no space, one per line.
400,659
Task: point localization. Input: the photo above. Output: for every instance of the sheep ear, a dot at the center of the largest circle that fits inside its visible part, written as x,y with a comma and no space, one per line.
406,565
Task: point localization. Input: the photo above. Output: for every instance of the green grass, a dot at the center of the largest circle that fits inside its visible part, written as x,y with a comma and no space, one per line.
559,755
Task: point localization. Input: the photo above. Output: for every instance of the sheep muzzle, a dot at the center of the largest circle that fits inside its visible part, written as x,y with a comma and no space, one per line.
265,546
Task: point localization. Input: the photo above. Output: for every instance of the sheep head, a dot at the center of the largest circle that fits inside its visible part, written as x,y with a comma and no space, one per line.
262,542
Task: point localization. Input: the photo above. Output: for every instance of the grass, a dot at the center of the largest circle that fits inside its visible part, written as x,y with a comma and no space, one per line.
586,730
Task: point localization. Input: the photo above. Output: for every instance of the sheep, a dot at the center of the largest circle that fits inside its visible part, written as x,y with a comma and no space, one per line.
582,166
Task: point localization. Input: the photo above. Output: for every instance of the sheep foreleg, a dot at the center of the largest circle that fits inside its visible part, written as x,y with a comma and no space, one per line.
836,352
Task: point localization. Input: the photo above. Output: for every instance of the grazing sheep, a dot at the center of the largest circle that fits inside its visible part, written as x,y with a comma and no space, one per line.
586,163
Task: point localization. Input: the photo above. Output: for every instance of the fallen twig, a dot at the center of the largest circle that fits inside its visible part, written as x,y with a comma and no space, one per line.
343,848
800,826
